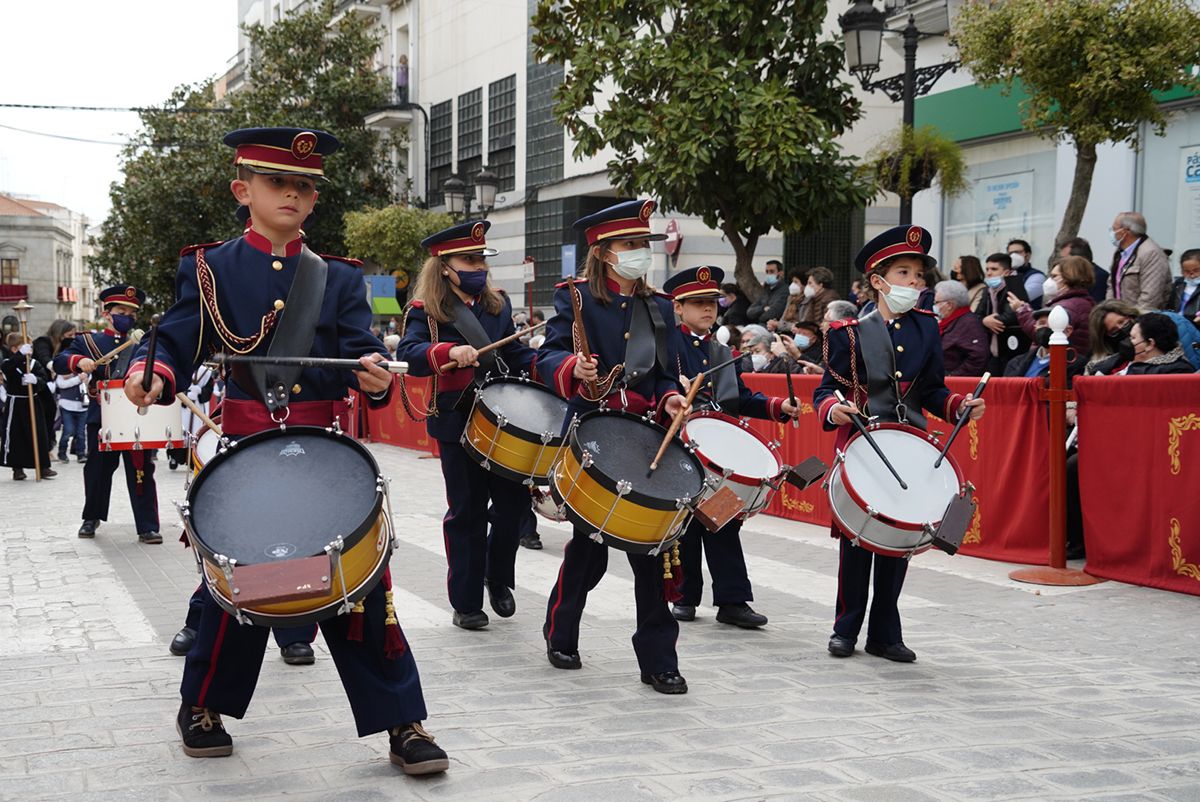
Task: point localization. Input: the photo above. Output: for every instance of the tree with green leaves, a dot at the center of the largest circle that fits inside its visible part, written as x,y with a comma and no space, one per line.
1091,69
391,237
729,111
175,188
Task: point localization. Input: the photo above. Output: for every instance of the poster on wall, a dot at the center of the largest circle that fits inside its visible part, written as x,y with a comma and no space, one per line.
1003,211
1187,202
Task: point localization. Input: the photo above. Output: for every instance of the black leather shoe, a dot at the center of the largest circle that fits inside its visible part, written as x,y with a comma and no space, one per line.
413,749
298,654
149,537
476,620
533,541
502,600
740,615
840,646
897,652
684,612
88,529
181,644
567,660
666,682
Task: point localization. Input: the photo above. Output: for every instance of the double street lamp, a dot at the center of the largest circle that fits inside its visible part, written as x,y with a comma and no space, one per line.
863,26
458,200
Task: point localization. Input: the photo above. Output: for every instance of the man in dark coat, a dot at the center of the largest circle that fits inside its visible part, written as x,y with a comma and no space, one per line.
773,301
964,339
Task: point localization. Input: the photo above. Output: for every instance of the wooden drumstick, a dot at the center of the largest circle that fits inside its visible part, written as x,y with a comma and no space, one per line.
858,424
498,344
135,337
677,421
199,413
962,418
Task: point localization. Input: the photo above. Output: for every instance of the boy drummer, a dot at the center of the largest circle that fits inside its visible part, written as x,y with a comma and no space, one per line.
695,293
225,293
906,340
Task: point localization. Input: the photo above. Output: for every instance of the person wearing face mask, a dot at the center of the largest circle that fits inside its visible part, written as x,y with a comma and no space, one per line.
1185,291
1140,272
1068,286
455,312
773,302
819,291
72,403
964,339
797,303
694,292
1032,279
19,434
906,337
631,367
120,303
1035,362
999,318
1156,347
733,305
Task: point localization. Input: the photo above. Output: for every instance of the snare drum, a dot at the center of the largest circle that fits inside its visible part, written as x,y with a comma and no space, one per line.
735,456
124,428
604,486
515,429
869,506
204,448
290,526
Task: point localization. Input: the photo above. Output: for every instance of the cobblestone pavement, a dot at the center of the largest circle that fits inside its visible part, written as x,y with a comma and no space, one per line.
1017,693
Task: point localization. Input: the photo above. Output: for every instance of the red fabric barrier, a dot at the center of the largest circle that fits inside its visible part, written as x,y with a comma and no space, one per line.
1003,455
392,425
1139,448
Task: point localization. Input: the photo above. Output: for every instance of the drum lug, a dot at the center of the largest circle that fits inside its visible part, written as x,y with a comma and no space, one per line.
623,488
227,565
137,438
337,426
334,550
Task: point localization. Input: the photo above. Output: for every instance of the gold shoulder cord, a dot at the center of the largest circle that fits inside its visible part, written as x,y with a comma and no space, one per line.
208,297
604,386
852,384
430,409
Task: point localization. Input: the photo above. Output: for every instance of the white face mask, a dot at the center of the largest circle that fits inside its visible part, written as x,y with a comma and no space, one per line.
1049,288
900,299
759,361
809,292
1018,260
632,264
793,289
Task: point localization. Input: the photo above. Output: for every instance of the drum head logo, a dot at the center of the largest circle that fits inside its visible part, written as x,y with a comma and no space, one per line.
592,446
686,466
292,449
280,551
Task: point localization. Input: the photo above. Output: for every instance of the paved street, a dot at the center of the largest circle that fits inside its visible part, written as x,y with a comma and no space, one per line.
1017,693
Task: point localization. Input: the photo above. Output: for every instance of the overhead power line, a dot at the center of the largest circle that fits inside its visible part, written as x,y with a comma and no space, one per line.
62,136
136,109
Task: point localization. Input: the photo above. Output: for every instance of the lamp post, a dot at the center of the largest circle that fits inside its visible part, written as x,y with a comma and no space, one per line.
459,201
863,26
22,308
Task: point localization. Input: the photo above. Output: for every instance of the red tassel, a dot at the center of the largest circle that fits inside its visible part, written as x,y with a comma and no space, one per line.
393,637
672,576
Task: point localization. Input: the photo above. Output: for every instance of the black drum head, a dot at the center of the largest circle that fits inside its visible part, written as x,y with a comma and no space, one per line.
622,447
528,406
284,494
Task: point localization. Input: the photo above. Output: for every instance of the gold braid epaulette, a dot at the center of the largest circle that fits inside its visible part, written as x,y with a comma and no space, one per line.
604,386
853,385
208,297
430,409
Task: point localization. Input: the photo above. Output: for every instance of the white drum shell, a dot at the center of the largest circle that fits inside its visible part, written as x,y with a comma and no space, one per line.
122,428
205,447
741,453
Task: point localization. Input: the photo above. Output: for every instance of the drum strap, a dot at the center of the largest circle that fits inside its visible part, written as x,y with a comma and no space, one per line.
884,397
472,331
724,383
294,333
647,343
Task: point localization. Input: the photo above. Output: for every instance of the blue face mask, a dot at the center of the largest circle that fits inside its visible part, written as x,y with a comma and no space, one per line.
472,282
122,323
1192,282
771,280
994,282
802,341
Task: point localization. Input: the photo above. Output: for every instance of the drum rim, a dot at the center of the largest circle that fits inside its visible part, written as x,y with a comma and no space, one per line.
519,432
350,539
610,484
740,478
866,542
577,521
861,502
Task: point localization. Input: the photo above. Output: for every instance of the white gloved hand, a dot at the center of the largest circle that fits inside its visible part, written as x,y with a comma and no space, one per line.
29,378
26,349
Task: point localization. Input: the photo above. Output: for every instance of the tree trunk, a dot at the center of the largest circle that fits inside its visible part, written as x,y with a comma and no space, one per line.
1081,187
743,272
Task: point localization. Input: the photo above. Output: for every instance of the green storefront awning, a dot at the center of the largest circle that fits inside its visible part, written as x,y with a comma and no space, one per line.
386,306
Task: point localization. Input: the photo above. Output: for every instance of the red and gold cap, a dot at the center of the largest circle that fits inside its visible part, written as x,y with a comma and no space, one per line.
122,294
282,151
695,282
627,220
898,241
468,237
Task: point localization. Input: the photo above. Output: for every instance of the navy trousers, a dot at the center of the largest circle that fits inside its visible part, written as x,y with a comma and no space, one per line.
726,564
221,670
584,564
854,580
284,636
472,554
97,483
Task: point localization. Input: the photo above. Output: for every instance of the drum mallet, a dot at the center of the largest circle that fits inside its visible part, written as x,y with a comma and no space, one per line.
148,368
962,418
199,413
677,421
792,398
498,344
305,362
135,337
858,424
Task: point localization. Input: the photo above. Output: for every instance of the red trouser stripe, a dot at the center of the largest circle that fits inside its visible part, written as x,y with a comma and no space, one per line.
557,592
212,661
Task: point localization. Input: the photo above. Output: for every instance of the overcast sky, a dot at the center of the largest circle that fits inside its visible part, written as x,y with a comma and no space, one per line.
87,53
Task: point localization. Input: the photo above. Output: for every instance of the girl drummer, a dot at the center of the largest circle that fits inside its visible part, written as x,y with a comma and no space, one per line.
906,340
629,348
455,312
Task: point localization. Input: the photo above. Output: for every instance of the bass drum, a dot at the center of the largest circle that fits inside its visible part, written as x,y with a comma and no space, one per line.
604,486
515,429
290,525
